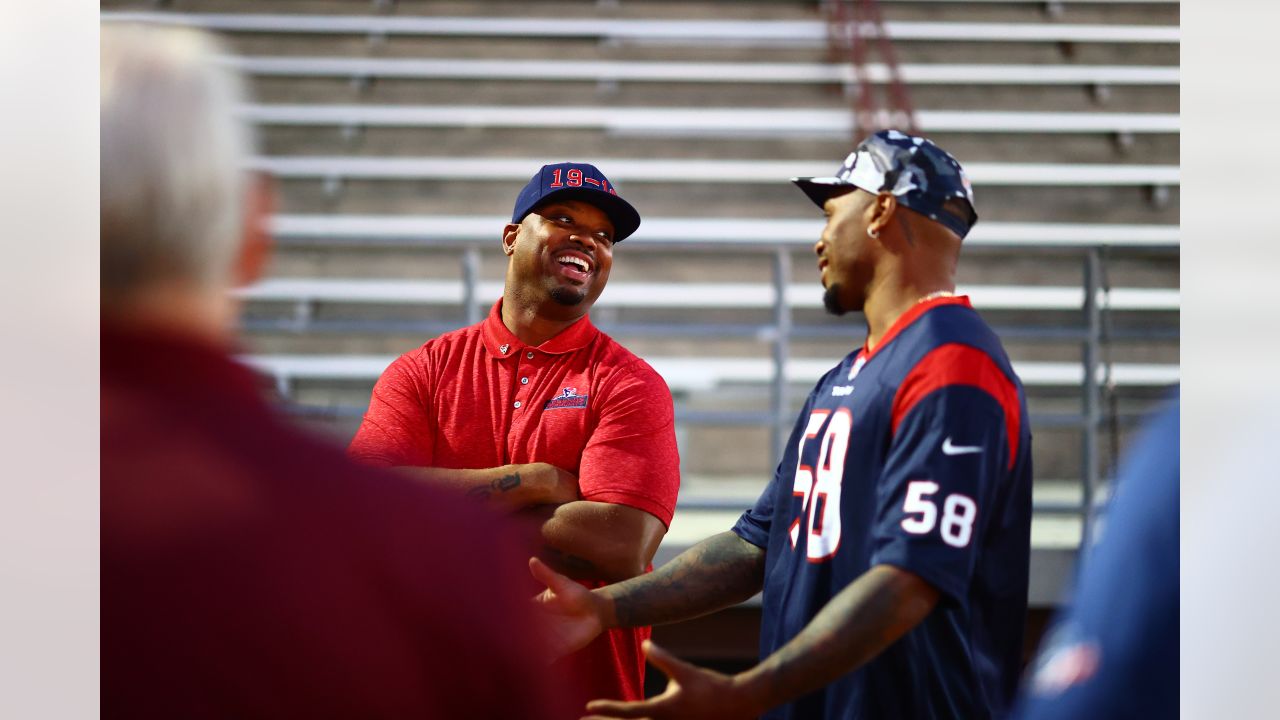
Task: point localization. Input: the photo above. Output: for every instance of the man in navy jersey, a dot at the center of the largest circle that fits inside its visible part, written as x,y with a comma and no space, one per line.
892,544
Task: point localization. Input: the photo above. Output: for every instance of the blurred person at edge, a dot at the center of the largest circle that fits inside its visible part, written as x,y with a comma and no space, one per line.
1113,652
248,569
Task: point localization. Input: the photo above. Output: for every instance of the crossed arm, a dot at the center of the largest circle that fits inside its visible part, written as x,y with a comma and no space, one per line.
855,626
583,539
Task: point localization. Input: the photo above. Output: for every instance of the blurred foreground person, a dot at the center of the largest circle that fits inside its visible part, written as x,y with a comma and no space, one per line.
249,570
1113,653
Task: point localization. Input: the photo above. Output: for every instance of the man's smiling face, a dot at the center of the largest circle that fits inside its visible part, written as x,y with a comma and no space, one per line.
562,252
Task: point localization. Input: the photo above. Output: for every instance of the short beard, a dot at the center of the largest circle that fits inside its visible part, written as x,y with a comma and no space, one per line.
567,296
831,300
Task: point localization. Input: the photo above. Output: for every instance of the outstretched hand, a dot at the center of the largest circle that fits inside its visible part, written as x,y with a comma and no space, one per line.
692,692
571,614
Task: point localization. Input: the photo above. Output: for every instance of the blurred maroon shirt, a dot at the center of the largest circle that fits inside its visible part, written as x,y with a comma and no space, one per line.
249,570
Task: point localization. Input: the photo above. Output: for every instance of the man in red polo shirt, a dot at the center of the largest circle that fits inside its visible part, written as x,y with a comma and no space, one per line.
535,410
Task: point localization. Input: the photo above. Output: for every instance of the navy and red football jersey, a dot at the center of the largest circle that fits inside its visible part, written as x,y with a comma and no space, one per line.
915,454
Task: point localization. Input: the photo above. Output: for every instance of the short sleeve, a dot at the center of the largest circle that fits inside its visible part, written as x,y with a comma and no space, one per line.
397,429
754,524
948,457
631,458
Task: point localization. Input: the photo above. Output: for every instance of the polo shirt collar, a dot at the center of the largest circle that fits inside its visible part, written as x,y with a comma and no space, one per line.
501,342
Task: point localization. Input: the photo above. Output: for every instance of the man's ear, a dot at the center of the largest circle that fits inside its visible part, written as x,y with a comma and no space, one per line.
509,238
255,236
882,210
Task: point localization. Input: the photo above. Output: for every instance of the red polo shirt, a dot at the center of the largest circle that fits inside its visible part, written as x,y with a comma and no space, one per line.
480,398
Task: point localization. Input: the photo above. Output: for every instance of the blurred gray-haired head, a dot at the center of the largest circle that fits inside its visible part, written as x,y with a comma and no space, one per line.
173,185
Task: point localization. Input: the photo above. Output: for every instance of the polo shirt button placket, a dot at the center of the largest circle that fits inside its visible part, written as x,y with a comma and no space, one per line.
524,383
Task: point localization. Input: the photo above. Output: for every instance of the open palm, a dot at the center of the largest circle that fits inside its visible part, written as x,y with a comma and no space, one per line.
692,693
569,611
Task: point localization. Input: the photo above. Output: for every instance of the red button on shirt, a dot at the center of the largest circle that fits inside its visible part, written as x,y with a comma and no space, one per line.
589,406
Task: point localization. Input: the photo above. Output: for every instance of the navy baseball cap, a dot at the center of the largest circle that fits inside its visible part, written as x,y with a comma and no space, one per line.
578,181
923,176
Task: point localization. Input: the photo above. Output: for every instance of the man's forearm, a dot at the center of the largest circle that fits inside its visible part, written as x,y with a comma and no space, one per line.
718,572
597,541
859,623
506,486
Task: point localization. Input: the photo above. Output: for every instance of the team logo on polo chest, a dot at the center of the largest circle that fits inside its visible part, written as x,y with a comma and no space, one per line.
568,398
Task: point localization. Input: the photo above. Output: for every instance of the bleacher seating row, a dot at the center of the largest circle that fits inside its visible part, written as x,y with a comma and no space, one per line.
691,171
684,374
699,72
696,122
791,33
455,230
690,295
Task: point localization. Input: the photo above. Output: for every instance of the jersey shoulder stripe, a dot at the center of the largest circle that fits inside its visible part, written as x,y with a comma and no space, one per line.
959,364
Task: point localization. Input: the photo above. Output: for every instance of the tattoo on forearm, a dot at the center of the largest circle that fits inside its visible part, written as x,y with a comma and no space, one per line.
854,627
506,483
721,571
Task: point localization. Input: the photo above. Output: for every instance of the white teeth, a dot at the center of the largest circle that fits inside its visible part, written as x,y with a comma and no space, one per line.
582,264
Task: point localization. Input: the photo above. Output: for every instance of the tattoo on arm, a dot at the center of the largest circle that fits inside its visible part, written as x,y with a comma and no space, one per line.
506,483
718,572
859,623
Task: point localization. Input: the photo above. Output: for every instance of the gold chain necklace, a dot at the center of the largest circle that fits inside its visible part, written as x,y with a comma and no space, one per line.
935,296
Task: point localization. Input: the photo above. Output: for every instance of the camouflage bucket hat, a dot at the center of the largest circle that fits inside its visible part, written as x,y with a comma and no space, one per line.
923,176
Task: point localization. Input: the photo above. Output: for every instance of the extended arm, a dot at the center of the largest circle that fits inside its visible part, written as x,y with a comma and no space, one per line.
858,624
869,615
720,571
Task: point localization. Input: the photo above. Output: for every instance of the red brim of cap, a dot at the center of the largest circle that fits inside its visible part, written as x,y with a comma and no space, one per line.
625,218
822,189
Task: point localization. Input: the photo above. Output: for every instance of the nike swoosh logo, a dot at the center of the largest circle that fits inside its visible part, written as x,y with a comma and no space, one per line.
949,449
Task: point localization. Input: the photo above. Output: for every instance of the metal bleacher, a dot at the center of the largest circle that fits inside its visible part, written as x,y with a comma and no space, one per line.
398,133
697,122
696,72
463,230
802,33
692,171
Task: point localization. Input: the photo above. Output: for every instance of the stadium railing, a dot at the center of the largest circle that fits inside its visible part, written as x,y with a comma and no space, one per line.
778,239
